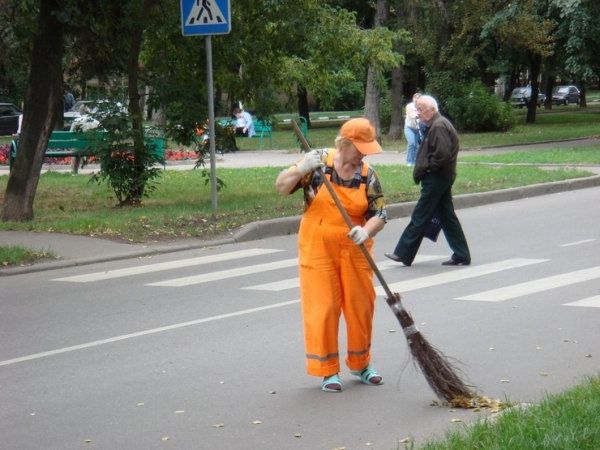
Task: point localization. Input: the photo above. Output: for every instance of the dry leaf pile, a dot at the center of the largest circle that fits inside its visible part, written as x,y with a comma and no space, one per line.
475,403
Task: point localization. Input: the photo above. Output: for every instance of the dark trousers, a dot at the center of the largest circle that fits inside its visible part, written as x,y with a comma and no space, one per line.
436,193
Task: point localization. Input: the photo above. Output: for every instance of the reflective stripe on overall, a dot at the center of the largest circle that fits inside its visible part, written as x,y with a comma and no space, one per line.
335,278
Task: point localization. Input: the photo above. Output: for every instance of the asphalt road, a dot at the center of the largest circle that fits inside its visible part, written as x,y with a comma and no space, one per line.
202,349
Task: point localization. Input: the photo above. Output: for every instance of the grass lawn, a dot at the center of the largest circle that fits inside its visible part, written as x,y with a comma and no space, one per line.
568,420
571,122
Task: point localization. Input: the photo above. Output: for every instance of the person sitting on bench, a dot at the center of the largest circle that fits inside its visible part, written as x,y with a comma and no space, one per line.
243,125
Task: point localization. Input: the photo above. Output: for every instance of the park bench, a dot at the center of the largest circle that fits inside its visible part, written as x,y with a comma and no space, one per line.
69,144
263,130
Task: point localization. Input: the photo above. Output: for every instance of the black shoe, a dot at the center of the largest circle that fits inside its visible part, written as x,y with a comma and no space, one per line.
397,258
457,262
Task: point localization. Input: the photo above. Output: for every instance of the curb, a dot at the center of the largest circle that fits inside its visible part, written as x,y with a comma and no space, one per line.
521,144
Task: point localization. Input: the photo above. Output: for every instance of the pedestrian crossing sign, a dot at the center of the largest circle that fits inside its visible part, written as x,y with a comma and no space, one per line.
203,17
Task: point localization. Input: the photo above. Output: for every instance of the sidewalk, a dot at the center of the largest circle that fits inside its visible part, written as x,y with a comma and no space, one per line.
81,250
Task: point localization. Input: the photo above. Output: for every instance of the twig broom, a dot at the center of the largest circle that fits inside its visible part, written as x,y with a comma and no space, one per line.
440,374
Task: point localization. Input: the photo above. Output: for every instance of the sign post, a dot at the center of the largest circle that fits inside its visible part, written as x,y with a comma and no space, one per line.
205,18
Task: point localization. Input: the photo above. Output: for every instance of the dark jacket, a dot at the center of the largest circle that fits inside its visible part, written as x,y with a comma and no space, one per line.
438,151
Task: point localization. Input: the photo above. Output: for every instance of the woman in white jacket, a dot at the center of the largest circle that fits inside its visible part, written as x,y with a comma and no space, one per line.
411,131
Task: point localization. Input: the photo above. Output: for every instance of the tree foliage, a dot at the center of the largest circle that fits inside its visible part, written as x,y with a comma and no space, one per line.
296,48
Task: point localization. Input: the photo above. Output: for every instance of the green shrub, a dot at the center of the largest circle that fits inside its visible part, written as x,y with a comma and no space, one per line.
476,109
472,106
128,161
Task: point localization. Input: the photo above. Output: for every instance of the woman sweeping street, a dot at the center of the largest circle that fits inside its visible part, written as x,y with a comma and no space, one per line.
335,277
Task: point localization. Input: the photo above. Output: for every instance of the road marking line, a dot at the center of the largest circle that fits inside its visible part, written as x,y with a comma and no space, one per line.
535,286
276,286
459,273
577,243
150,268
224,274
145,333
292,283
593,302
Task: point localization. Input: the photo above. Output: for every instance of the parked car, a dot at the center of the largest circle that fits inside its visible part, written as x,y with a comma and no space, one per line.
75,111
9,119
93,107
521,97
564,95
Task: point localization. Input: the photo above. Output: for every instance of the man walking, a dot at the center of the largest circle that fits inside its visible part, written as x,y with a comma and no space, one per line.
435,170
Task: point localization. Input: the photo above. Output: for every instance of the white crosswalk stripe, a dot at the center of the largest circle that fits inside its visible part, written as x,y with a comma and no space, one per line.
448,275
292,283
230,273
591,302
150,268
535,286
460,273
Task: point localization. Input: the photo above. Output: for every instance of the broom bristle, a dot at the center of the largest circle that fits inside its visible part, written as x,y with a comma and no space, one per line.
439,373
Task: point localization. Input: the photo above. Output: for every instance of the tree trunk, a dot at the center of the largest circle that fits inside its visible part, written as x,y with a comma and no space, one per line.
397,116
372,101
43,106
548,85
372,91
536,64
302,94
582,100
442,31
218,100
137,37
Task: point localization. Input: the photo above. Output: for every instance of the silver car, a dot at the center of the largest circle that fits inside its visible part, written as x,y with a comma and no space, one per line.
521,97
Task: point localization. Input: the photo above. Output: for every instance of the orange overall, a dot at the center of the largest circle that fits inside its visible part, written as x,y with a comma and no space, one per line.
335,278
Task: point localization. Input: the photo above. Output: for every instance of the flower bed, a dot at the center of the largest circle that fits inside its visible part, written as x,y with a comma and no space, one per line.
170,155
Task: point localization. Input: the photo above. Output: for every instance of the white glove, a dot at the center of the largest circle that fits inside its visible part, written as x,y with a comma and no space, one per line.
358,235
310,163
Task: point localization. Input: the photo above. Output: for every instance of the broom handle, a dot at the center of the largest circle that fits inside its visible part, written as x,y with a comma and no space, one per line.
336,199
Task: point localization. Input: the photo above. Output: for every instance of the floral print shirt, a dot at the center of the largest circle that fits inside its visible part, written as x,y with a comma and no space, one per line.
311,183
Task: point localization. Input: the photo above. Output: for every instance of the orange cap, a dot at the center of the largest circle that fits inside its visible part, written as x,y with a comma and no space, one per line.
362,134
